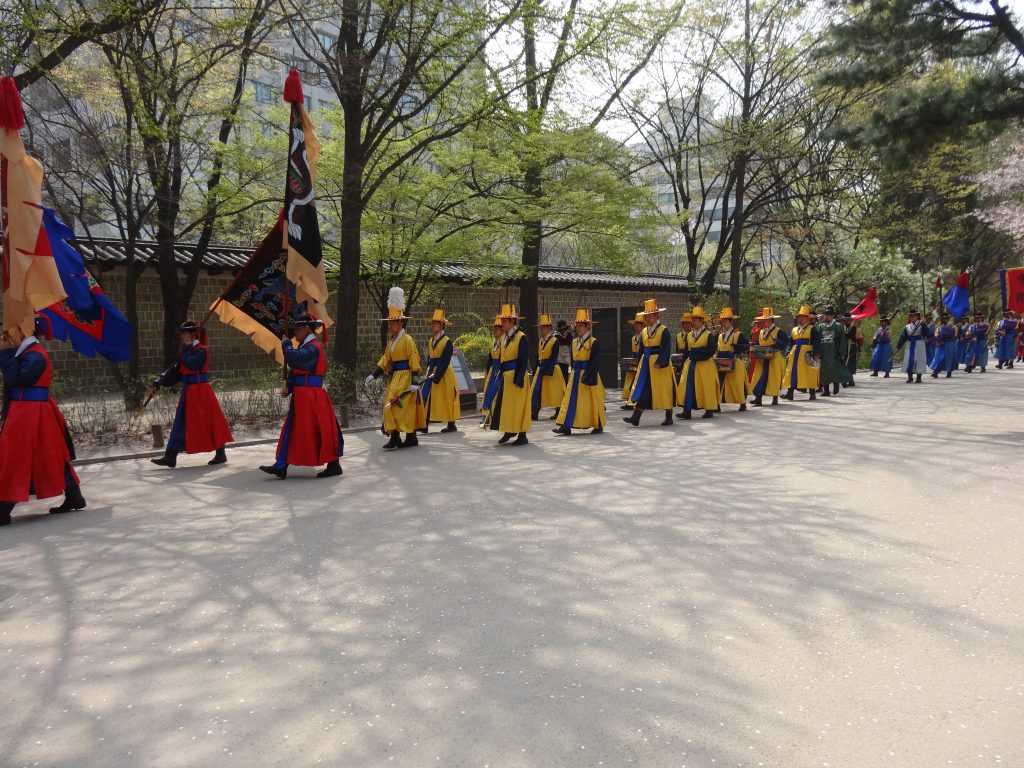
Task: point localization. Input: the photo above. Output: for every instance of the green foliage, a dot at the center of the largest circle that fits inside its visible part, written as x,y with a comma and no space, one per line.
476,345
928,70
888,270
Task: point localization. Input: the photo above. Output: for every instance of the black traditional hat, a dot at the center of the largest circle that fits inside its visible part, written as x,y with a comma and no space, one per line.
189,326
304,319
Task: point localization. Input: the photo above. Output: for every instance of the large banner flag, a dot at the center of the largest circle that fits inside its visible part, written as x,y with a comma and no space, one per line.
86,318
958,300
302,233
867,307
1011,281
255,302
29,278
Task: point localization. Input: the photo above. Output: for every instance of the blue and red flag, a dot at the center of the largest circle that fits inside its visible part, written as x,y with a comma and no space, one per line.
958,300
1011,283
86,317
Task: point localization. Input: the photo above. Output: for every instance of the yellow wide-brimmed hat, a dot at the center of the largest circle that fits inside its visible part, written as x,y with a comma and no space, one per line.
651,307
439,317
639,318
766,314
508,312
544,320
497,321
583,316
685,317
394,313
805,311
698,313
726,314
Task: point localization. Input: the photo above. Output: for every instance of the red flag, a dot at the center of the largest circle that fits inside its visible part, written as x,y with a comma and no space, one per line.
938,283
867,307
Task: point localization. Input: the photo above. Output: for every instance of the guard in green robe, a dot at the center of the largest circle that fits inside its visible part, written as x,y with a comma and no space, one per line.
833,354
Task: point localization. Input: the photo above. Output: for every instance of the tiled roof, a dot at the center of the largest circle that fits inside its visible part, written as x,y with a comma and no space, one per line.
113,251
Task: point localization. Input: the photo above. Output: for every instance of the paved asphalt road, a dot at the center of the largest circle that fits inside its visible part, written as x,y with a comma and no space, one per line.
835,583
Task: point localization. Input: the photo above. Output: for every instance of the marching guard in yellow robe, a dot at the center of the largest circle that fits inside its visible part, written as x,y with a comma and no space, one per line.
635,348
402,410
767,358
698,383
583,403
685,323
510,412
492,378
548,384
804,356
655,382
731,343
439,392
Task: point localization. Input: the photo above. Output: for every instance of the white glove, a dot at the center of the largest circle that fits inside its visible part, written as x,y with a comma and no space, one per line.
368,379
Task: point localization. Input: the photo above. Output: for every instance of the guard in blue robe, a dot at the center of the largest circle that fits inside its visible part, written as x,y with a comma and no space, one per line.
977,344
944,356
914,336
881,349
1006,340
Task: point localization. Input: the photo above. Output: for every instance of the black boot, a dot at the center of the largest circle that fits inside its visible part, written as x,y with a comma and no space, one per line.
789,394
73,500
450,428
886,375
949,374
562,431
919,378
626,407
685,414
6,507
813,397
910,378
999,366
424,430
874,374
506,437
411,441
535,413
597,430
824,391
220,457
935,374
708,415
521,440
743,406
667,421
276,471
634,419
167,460
775,401
395,441
554,415
333,469
758,401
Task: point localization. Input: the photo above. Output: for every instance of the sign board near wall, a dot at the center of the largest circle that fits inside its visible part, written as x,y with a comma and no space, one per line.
463,380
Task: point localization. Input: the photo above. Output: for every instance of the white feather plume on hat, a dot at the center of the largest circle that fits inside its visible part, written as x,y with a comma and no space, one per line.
396,298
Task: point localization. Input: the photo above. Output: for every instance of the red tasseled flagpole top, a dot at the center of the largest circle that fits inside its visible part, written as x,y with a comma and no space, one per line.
293,87
964,281
11,115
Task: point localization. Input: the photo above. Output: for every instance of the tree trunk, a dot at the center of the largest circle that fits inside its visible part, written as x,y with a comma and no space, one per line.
346,350
738,217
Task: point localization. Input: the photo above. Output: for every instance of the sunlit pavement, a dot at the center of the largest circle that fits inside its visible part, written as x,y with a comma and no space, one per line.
833,583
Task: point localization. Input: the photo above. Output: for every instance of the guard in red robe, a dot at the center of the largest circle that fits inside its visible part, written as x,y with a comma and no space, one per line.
199,424
310,435
35,446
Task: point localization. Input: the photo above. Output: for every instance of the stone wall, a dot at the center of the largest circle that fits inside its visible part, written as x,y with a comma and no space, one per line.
468,306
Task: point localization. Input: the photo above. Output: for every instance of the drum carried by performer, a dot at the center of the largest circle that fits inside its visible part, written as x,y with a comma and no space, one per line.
732,373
